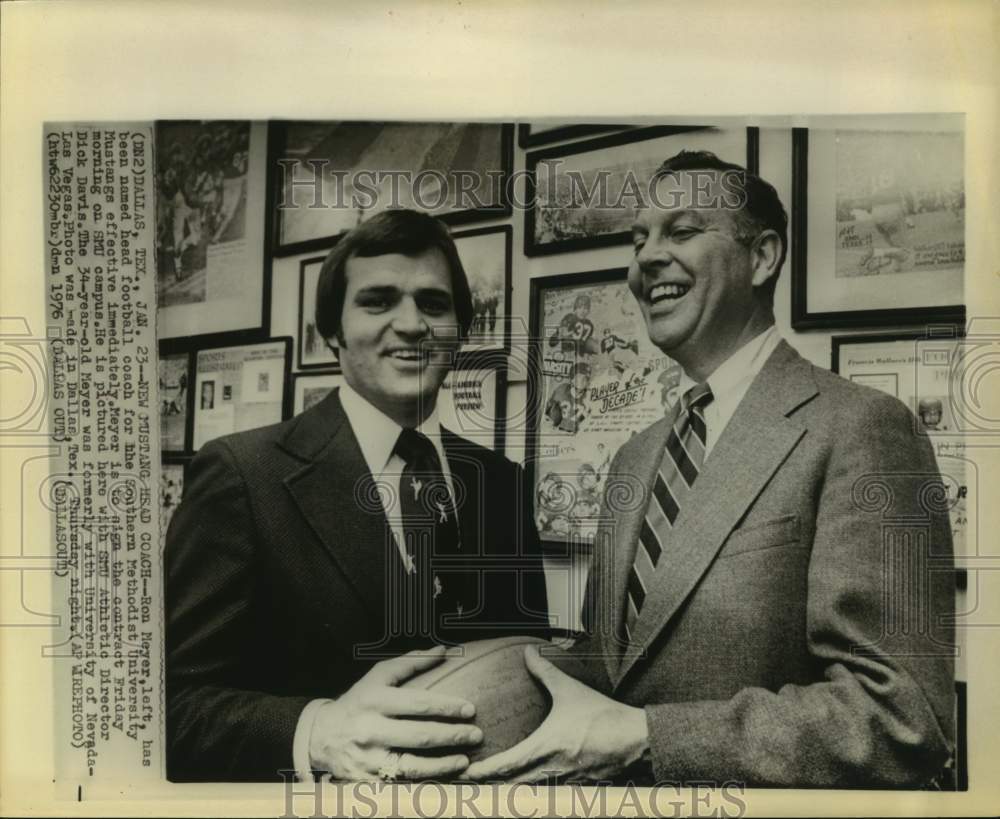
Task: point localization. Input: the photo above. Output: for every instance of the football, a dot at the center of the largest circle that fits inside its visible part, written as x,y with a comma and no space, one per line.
510,702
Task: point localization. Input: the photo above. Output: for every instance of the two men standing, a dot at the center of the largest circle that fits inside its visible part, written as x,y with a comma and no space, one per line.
754,618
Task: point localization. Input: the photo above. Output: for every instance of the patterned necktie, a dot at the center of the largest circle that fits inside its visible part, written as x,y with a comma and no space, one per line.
682,460
431,534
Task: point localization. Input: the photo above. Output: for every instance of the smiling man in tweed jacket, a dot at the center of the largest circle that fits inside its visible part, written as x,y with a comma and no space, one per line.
772,581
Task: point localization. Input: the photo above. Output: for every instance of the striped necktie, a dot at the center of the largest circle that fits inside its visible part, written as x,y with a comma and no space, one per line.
683,457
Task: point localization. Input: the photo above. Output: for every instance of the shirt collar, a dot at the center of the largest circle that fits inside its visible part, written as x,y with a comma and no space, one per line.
731,378
377,433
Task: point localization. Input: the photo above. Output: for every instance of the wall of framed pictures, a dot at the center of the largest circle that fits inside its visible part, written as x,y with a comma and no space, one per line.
558,371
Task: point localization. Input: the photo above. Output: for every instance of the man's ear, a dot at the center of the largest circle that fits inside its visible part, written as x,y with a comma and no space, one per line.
764,256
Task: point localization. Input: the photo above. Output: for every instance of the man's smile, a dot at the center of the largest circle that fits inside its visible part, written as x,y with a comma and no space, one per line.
409,357
663,297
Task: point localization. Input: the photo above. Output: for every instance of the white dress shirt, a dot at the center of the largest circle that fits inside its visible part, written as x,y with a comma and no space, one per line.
377,434
731,380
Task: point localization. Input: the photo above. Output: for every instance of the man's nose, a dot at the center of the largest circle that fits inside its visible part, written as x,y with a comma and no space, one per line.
408,319
654,253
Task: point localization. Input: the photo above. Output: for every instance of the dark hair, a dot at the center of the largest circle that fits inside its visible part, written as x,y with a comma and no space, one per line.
391,231
762,209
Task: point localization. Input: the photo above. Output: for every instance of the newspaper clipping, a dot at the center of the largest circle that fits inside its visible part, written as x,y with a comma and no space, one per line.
103,494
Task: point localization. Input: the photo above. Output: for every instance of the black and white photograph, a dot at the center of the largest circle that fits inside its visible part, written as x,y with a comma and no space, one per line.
240,388
699,468
879,221
486,257
210,261
473,403
313,350
352,170
311,388
174,371
598,382
171,490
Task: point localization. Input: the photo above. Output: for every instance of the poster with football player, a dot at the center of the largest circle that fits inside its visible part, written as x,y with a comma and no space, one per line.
601,381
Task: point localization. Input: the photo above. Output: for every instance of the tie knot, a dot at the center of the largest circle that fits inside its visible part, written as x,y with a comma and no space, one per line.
698,397
413,446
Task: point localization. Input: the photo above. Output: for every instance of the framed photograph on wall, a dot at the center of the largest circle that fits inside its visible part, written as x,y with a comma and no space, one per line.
313,350
176,417
311,388
212,266
172,471
472,403
331,176
533,134
485,255
595,381
924,371
586,194
241,387
878,222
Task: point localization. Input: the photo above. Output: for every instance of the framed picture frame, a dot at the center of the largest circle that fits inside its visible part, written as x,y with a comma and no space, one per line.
486,257
176,402
923,370
459,172
309,389
313,351
173,471
878,223
562,182
472,401
594,381
241,387
533,134
213,265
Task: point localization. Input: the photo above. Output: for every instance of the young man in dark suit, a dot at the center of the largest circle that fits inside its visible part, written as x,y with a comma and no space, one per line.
776,610
310,559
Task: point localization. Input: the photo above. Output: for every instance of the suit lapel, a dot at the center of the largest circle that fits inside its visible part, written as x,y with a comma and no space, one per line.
754,444
635,476
337,495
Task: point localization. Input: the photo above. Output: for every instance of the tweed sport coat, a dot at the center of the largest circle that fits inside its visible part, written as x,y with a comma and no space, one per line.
277,566
797,630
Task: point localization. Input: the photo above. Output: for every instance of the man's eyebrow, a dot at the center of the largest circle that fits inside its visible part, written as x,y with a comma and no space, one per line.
434,291
378,289
640,227
390,290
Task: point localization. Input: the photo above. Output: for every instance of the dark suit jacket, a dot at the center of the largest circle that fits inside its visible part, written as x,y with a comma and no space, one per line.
277,565
797,631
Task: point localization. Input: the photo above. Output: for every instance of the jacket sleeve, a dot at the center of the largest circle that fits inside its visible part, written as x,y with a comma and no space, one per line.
879,606
219,728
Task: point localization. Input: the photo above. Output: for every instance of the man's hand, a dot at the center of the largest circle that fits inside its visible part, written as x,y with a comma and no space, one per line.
586,735
367,733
